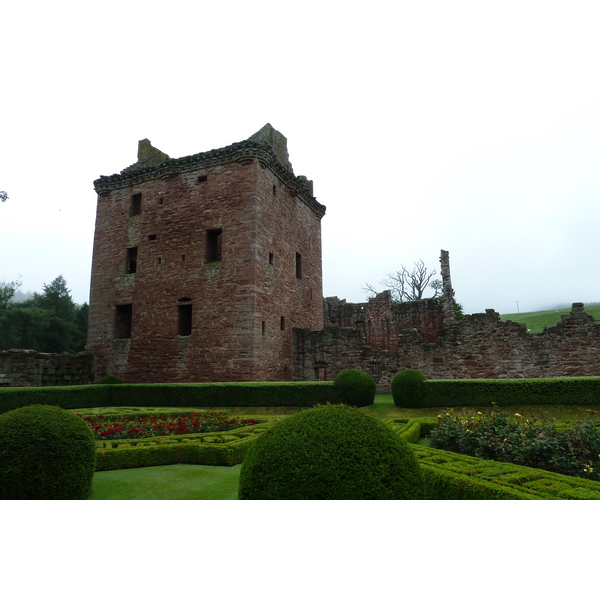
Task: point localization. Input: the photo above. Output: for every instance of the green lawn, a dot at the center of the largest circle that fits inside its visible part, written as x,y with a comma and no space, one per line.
536,321
168,482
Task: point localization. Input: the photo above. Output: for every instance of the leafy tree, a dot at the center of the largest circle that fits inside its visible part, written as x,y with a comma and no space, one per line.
3,196
48,322
7,291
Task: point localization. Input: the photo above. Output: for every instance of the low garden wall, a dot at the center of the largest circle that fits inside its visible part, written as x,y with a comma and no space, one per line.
26,368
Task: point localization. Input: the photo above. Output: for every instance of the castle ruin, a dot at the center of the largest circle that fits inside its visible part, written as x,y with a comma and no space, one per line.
208,268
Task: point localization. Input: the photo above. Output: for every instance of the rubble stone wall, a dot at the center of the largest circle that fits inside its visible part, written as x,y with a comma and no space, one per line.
480,346
28,368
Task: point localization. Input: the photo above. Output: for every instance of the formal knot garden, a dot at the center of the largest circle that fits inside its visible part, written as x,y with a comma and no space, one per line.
430,439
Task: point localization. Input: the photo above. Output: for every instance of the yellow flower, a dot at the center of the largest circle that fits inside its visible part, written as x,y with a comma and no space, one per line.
518,415
479,413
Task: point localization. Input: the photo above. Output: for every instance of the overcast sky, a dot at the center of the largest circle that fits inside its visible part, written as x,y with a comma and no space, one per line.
472,127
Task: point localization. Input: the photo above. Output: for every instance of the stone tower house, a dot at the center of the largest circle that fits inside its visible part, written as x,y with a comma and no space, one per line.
202,265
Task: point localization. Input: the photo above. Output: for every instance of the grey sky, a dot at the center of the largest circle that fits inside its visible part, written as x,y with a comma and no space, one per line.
468,126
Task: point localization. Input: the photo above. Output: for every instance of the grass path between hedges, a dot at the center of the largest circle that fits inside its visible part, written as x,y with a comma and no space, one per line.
168,482
200,482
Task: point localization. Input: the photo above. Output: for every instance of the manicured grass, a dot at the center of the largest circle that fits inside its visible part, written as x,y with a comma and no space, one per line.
536,321
169,482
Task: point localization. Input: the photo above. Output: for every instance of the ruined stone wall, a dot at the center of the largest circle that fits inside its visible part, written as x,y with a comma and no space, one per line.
381,320
480,346
28,368
231,233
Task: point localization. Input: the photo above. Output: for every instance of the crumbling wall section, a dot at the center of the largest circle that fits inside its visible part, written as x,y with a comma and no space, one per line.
28,368
480,346
382,320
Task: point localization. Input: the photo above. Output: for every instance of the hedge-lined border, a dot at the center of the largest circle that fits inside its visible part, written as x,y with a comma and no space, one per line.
226,448
449,475
566,391
203,395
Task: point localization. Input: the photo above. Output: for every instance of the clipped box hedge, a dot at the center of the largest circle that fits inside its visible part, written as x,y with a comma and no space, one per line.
223,448
452,476
581,391
206,395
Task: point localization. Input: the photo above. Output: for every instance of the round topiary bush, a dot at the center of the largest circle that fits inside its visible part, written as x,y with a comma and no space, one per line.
110,380
331,452
407,388
46,453
354,387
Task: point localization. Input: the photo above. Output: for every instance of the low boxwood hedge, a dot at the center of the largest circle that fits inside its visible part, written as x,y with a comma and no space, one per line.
217,449
422,393
304,393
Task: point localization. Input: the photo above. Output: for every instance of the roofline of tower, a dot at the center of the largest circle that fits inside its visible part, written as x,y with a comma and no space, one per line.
239,152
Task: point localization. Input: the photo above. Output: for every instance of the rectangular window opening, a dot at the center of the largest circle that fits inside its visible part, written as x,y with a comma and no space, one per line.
152,237
202,178
274,190
184,324
161,201
264,327
282,323
183,258
123,315
135,208
159,261
298,265
131,264
213,245
271,258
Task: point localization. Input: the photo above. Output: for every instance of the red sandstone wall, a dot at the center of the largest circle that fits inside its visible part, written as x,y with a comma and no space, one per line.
480,346
230,299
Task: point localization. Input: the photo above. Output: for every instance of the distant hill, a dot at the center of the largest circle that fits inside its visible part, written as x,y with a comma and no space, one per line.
536,321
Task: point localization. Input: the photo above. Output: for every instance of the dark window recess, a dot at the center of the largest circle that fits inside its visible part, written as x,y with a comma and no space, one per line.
264,327
282,323
152,237
213,245
202,178
274,190
135,208
159,261
271,258
184,323
161,201
131,265
298,265
123,321
183,258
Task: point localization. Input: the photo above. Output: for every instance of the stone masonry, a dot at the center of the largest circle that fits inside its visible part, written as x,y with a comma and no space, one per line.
27,368
203,265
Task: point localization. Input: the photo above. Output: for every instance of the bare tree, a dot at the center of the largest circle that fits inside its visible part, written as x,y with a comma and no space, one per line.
3,196
407,286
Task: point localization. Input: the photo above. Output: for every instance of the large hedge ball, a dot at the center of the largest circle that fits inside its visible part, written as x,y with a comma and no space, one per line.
46,453
354,387
407,388
331,452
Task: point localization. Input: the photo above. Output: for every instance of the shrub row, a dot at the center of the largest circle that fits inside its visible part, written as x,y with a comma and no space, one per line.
450,476
220,449
173,394
411,390
352,387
